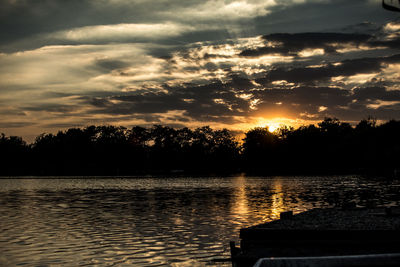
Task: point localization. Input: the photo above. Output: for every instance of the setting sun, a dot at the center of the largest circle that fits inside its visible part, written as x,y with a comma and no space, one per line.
272,127
275,123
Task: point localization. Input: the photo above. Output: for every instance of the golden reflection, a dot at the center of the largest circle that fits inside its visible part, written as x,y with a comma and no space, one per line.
277,203
240,206
249,211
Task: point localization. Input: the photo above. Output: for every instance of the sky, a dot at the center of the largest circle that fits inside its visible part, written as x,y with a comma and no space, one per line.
233,64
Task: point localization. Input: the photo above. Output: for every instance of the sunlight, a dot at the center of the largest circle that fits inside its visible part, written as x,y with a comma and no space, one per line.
278,204
273,127
272,124
241,208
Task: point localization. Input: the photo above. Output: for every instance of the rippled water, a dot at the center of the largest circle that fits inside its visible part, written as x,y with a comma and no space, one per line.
155,221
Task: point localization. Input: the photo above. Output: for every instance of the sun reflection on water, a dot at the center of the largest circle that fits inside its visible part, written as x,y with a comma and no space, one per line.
266,208
277,203
241,207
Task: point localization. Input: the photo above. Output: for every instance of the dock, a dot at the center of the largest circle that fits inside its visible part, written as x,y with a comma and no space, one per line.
327,232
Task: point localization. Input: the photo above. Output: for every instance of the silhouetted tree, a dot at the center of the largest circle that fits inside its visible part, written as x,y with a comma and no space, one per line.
13,155
259,148
330,147
284,131
388,148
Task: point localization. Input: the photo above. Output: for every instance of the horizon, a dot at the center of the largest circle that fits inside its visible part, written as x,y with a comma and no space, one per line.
238,135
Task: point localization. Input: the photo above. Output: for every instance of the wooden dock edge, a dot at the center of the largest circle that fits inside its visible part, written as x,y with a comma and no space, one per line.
371,260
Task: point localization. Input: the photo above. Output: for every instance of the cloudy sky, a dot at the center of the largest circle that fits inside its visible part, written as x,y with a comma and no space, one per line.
224,63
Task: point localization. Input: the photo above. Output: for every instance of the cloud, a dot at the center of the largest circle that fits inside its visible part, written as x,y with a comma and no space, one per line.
72,22
15,124
61,125
325,72
293,44
59,22
121,33
376,93
56,108
322,16
233,63
230,10
107,65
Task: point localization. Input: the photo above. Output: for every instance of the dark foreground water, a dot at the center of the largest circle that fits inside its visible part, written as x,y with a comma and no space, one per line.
156,221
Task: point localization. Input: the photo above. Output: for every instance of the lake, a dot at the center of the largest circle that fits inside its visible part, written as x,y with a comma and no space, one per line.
156,221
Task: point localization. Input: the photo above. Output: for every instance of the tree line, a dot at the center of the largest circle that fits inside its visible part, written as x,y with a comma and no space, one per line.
331,146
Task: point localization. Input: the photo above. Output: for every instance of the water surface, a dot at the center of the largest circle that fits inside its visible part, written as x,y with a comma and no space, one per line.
156,221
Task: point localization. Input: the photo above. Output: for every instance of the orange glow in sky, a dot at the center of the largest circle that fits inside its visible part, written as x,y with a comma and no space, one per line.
275,123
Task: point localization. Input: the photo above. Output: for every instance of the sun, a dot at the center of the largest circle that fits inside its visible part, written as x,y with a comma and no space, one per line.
272,127
272,124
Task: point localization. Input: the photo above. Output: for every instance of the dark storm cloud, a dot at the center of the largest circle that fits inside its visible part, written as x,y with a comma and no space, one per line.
11,112
12,124
57,108
291,44
52,94
135,104
365,27
27,24
376,93
312,74
107,65
219,101
287,44
197,102
301,98
272,95
315,16
98,102
22,18
387,112
395,43
61,125
206,97
339,102
322,96
360,111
